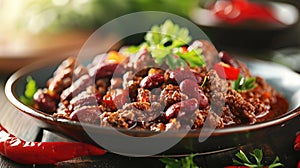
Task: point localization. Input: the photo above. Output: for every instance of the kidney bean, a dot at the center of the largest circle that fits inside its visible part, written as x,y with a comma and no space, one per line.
133,90
198,78
228,59
186,106
44,101
189,87
86,114
153,81
178,75
107,70
202,99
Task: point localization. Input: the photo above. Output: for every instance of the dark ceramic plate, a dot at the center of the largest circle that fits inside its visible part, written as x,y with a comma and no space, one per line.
277,133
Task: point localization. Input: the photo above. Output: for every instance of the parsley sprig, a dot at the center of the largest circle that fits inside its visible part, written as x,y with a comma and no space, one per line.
244,84
186,162
257,154
163,42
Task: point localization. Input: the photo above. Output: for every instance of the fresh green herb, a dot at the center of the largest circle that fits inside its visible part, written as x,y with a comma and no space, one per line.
163,42
244,84
257,154
30,89
193,57
186,162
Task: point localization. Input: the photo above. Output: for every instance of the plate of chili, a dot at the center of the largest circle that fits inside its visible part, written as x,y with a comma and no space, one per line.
240,127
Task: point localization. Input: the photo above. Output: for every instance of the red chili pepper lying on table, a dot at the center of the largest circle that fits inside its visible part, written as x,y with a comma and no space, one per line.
42,152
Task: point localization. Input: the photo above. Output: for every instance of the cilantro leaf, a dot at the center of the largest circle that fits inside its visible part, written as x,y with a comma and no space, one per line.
163,41
193,57
257,154
244,84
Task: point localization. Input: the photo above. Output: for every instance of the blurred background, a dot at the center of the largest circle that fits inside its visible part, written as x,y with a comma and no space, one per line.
52,29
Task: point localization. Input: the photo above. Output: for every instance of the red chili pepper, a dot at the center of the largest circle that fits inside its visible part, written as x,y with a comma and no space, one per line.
42,152
297,142
226,71
236,11
298,165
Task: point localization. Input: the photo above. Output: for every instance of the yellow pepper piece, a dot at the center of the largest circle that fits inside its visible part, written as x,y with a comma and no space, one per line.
116,57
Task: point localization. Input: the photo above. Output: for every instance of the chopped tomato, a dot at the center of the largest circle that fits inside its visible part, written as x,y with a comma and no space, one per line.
226,71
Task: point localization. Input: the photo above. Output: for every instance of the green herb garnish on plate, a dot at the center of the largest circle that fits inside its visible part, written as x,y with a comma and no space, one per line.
185,162
244,84
30,89
257,155
164,43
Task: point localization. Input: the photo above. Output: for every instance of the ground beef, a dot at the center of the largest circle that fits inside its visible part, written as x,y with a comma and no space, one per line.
239,107
144,95
215,89
171,95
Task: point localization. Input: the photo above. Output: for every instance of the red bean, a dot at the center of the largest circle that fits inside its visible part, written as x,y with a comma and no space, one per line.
189,87
202,99
198,78
186,106
179,75
228,59
153,81
107,70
